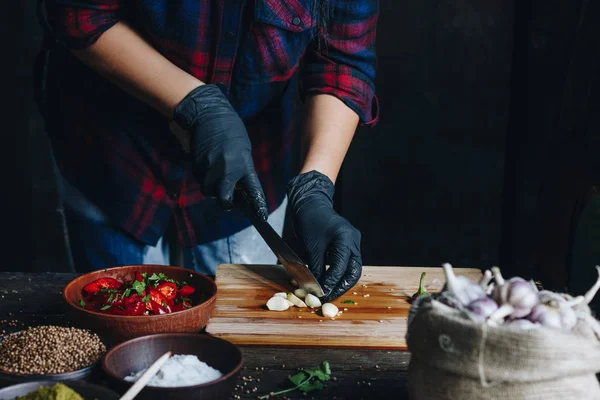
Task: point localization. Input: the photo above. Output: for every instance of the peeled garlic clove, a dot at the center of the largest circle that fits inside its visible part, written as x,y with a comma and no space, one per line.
312,301
277,304
289,302
297,302
280,294
329,310
300,293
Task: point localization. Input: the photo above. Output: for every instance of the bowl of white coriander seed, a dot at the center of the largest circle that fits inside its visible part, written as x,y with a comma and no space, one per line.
49,353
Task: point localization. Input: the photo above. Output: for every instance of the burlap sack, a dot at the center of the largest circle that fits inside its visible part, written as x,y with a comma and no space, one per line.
455,358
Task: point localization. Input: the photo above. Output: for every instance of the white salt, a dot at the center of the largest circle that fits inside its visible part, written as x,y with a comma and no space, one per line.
180,370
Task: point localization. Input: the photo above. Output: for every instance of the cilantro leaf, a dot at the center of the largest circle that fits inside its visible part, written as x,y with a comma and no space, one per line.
348,302
139,287
154,277
127,292
106,307
82,303
298,378
110,297
309,380
146,298
325,367
310,386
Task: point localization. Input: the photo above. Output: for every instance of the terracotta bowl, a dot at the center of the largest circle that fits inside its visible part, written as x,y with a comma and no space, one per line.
118,328
138,354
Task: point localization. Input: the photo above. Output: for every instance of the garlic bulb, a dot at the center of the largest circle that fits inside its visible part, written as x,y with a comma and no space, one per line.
517,292
464,290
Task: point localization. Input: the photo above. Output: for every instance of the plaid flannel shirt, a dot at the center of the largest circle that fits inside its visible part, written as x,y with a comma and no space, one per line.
261,53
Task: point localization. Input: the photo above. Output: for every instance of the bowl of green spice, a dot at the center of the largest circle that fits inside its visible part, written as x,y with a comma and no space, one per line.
43,390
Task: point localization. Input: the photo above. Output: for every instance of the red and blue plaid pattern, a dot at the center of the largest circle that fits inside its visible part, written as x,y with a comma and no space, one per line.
120,153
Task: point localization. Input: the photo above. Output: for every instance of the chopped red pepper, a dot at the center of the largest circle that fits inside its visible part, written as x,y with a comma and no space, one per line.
137,308
138,277
168,289
102,283
186,290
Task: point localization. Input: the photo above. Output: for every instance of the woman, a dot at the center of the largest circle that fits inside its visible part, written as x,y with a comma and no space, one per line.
156,110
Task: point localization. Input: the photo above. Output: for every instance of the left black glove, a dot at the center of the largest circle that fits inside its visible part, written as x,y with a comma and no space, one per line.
328,238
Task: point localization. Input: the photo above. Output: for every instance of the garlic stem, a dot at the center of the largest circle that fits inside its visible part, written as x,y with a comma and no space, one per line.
589,295
485,279
451,282
497,276
504,311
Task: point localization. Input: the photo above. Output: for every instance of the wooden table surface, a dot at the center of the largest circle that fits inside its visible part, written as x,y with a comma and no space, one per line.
35,299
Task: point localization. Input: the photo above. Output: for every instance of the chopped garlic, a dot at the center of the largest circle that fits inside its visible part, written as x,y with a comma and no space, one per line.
277,304
300,293
280,294
312,301
297,302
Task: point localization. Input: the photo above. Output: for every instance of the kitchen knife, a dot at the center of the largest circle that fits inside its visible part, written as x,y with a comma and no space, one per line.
292,264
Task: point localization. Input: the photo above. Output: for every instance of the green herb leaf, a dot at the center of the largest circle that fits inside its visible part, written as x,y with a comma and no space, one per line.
154,277
146,298
325,367
311,386
144,275
110,297
164,305
298,378
139,287
348,302
127,292
106,307
82,303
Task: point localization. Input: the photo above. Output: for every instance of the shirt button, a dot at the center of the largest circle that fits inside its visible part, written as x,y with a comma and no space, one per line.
296,21
229,35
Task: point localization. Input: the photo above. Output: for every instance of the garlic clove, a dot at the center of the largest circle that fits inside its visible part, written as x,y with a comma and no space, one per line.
312,301
294,299
329,310
277,304
280,294
300,293
290,303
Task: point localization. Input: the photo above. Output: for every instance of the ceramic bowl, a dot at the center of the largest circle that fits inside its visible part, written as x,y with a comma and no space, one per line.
118,328
137,354
85,389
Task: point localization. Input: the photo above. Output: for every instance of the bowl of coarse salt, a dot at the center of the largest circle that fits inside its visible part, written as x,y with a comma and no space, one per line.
201,366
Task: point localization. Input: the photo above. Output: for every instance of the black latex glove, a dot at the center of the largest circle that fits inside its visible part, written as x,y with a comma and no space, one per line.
328,238
220,148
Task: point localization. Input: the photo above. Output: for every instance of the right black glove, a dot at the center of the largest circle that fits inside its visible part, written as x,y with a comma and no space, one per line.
220,148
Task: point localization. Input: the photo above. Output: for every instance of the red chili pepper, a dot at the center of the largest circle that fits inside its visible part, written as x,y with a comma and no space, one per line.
168,289
156,297
102,283
138,277
183,305
114,311
158,309
137,308
127,301
186,290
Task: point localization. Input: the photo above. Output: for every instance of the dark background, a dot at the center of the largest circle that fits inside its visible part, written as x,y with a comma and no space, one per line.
484,155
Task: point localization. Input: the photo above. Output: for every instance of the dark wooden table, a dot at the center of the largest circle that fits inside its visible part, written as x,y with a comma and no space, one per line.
35,299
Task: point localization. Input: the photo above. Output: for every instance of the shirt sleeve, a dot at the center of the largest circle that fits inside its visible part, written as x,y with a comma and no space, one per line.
79,23
345,66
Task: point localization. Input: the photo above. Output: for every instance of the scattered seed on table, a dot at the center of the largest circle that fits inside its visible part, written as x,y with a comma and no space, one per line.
354,293
388,307
50,350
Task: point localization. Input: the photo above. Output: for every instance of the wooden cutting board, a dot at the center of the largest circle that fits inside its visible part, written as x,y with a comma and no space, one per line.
378,320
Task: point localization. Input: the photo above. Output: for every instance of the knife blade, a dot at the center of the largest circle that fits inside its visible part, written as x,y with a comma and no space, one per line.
293,265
